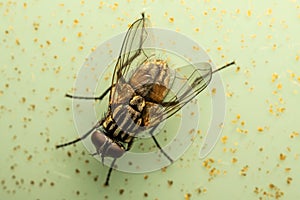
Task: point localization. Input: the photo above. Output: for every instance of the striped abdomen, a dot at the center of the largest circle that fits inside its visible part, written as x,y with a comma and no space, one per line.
136,104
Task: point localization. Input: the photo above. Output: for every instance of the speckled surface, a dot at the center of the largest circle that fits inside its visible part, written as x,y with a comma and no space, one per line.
43,44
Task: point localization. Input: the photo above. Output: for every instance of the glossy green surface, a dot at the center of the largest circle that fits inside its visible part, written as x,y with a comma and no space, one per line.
43,44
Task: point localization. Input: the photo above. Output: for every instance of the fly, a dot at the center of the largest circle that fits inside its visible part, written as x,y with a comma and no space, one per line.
142,95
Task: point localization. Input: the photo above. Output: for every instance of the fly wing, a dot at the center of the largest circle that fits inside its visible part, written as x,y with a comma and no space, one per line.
187,83
131,50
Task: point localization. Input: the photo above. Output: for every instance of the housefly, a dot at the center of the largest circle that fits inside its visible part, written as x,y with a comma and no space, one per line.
144,92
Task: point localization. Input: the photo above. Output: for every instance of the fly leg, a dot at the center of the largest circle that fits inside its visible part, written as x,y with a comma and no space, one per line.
158,146
76,140
113,163
109,172
92,98
82,137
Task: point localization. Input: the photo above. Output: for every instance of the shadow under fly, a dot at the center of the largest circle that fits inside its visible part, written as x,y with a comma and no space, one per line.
144,92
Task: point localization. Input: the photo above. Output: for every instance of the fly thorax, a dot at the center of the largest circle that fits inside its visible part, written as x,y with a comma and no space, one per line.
105,146
137,103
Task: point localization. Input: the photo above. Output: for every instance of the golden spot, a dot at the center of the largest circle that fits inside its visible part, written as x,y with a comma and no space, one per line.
287,169
187,196
269,11
206,163
223,12
281,110
75,21
79,34
18,42
260,129
274,77
219,48
249,13
282,156
171,19
244,170
239,130
214,91
196,48
197,29
294,134
23,99
234,160
80,48
269,37
292,74
229,94
224,139
64,39
114,6
289,180
259,23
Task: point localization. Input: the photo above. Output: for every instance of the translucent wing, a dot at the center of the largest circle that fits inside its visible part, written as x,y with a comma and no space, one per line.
187,83
131,50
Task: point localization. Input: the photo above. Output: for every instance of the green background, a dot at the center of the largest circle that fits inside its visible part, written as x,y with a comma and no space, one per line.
43,45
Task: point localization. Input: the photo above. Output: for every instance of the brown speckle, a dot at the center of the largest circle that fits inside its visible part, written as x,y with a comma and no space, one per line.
187,196
170,182
121,191
75,21
282,156
244,170
29,157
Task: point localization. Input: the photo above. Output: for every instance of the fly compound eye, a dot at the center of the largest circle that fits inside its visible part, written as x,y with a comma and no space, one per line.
105,146
115,151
